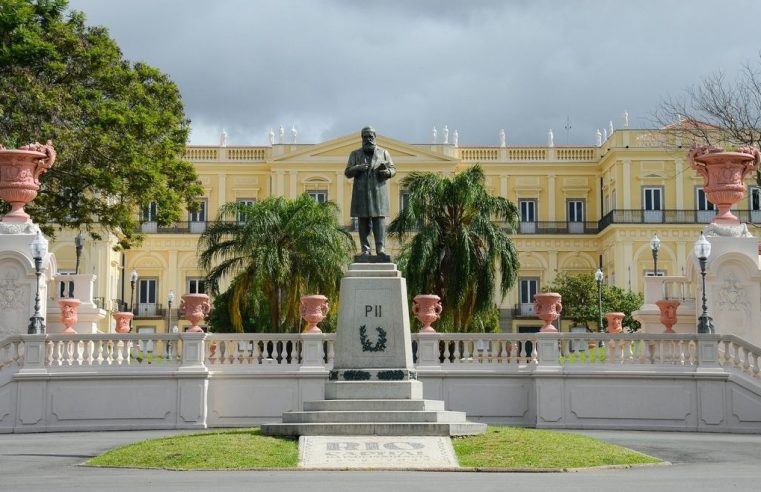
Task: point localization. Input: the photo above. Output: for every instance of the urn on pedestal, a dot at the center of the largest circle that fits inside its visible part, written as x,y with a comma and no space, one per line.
723,176
194,308
69,308
313,309
427,309
20,170
668,313
548,308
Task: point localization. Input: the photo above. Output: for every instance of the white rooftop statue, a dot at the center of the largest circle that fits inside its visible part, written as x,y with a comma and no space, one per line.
502,138
604,135
293,134
626,119
598,138
550,138
271,136
446,135
281,135
456,138
223,138
433,135
610,128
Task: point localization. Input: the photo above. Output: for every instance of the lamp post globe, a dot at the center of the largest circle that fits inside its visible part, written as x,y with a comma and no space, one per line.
702,250
655,246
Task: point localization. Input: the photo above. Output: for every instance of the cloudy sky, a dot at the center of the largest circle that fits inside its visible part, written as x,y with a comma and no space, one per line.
329,67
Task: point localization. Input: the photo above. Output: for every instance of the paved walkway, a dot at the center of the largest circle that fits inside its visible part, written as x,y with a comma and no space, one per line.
41,462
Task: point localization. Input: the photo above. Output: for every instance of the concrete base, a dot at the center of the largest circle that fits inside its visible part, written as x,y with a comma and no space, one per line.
373,390
375,429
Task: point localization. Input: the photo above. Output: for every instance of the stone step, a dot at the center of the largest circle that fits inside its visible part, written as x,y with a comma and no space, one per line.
375,429
371,390
379,405
372,417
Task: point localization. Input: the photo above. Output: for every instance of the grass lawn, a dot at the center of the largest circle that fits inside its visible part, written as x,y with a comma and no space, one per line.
499,447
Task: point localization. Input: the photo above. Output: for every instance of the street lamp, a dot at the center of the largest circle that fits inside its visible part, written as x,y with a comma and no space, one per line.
39,250
598,277
78,245
169,301
655,245
702,251
132,281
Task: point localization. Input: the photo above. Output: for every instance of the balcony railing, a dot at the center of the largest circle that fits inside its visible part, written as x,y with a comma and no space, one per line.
671,217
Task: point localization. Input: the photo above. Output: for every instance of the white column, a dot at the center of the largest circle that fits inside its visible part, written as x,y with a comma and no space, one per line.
626,170
679,185
340,182
279,182
503,186
222,192
292,184
551,197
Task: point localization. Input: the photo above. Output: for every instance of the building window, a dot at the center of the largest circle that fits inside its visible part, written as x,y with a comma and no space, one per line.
528,216
148,218
528,288
404,200
146,296
705,209
247,202
576,216
652,204
319,196
197,285
198,218
755,204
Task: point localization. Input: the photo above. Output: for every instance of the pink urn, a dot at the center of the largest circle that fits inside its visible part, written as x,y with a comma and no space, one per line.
427,309
724,176
20,172
123,319
194,308
548,308
313,309
69,308
615,322
668,313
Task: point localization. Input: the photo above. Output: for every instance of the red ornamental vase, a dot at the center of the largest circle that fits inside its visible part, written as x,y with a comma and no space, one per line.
313,309
194,308
20,171
427,309
548,308
615,322
724,176
123,319
69,308
668,313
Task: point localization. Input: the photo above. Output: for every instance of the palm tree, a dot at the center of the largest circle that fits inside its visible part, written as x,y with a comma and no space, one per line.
273,252
456,247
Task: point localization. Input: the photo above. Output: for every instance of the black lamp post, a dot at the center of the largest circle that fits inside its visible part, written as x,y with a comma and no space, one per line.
132,282
169,301
598,277
702,252
78,244
655,245
39,250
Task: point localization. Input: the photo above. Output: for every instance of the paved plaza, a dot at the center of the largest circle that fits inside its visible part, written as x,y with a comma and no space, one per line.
39,462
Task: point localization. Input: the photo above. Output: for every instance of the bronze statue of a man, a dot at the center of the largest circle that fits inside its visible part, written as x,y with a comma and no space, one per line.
371,167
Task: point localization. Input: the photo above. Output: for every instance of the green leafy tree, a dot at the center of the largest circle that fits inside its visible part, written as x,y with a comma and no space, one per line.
456,249
580,301
119,128
273,252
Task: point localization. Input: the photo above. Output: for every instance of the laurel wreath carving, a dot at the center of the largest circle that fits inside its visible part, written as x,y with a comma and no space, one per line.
367,345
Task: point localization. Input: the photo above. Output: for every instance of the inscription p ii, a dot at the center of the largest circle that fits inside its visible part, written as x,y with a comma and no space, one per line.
373,311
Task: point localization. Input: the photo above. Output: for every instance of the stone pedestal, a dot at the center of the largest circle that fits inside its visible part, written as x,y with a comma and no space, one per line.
89,313
18,279
373,387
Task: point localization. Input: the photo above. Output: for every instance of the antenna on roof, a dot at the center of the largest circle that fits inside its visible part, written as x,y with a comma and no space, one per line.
567,129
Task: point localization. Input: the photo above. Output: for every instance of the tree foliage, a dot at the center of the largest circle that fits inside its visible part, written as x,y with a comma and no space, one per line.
579,297
270,254
456,250
119,128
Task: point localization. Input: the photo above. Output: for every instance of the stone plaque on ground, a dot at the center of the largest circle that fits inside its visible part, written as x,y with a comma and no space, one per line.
379,452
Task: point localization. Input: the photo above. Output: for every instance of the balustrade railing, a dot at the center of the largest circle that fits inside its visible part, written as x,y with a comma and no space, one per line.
445,351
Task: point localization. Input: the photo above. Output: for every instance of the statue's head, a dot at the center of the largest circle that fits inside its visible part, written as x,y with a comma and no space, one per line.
368,138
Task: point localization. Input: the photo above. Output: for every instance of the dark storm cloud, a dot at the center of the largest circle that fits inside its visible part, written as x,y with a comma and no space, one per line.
330,67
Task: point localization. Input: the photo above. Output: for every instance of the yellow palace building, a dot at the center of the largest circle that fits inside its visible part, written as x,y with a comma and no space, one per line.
581,207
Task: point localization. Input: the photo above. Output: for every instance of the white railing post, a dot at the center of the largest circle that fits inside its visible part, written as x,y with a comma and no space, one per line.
548,352
708,352
428,350
35,352
193,352
312,353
